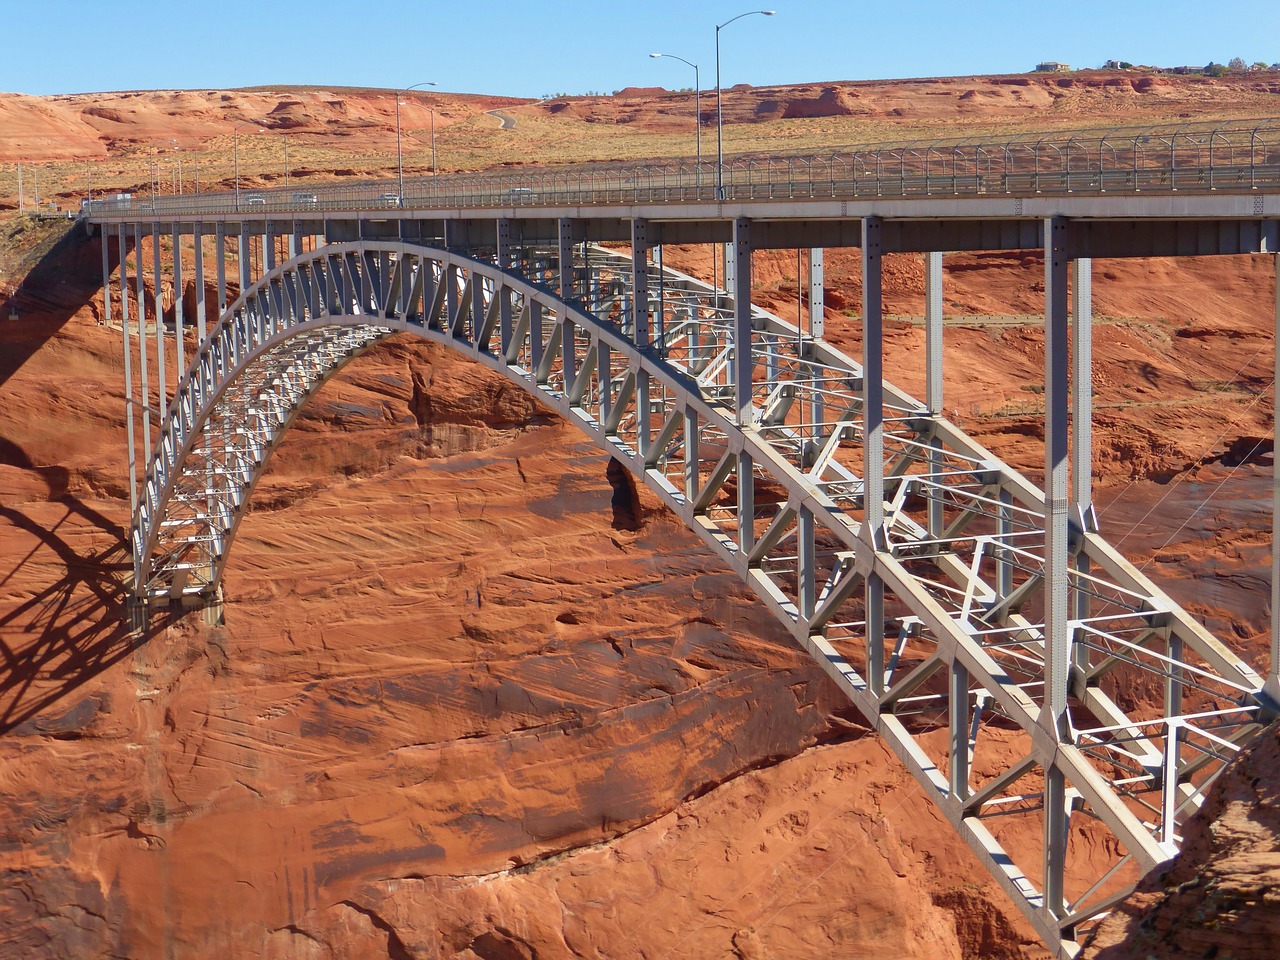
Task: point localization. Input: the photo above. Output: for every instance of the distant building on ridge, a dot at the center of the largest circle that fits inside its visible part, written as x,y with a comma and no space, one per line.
1053,66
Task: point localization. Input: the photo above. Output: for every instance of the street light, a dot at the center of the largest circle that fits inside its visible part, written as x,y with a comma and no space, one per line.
399,154
235,138
719,113
697,104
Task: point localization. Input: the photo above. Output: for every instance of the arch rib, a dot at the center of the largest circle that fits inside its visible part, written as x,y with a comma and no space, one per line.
968,598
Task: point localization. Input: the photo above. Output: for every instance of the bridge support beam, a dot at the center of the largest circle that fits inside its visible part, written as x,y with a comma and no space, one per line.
873,439
1082,420
817,294
933,373
243,257
161,385
179,341
202,300
142,342
220,259
130,437
1054,717
743,356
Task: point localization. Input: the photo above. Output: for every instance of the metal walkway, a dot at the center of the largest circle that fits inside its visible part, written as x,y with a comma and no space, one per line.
970,617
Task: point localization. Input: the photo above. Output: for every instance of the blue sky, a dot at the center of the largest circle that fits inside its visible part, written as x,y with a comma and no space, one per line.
538,47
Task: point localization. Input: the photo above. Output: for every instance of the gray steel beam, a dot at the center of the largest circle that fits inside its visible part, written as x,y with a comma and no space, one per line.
220,259
142,342
1082,418
873,441
640,283
817,294
933,374
1057,460
162,400
743,339
179,341
202,299
564,242
129,398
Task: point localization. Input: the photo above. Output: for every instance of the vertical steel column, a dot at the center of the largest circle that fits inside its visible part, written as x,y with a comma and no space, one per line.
243,254
293,240
873,440
178,333
138,247
743,358
806,564
641,332
564,237
105,237
1054,717
504,292
1272,685
817,294
746,502
220,246
640,281
162,393
933,376
1057,459
1082,419
728,266
958,722
268,246
691,455
202,306
122,237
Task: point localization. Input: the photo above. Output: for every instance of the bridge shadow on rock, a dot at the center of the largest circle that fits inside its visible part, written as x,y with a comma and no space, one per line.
57,286
71,630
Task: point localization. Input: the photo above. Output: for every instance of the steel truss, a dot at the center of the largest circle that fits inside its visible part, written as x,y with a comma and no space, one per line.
925,602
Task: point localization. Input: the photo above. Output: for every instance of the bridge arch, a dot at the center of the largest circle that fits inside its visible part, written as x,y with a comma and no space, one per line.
928,619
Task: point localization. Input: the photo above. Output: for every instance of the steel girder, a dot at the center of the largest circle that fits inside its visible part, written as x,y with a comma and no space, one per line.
949,666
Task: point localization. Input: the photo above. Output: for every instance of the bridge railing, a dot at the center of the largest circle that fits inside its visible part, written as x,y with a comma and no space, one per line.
1232,156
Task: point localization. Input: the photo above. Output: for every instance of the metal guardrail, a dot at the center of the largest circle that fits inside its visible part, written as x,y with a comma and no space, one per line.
1232,156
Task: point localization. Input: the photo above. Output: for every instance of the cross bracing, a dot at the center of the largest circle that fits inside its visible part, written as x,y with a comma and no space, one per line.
927,604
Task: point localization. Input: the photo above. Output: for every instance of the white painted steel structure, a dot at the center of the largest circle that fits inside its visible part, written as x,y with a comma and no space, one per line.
982,626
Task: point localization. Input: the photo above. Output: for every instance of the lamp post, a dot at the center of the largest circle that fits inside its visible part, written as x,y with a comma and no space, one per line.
719,112
235,145
697,105
399,153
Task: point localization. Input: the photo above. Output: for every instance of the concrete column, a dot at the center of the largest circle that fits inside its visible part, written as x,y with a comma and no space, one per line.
933,372
743,359
873,441
817,294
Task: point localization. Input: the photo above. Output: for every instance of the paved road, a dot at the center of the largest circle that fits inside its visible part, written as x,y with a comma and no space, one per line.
508,122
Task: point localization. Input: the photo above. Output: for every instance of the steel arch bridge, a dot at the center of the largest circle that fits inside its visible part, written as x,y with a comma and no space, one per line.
957,606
